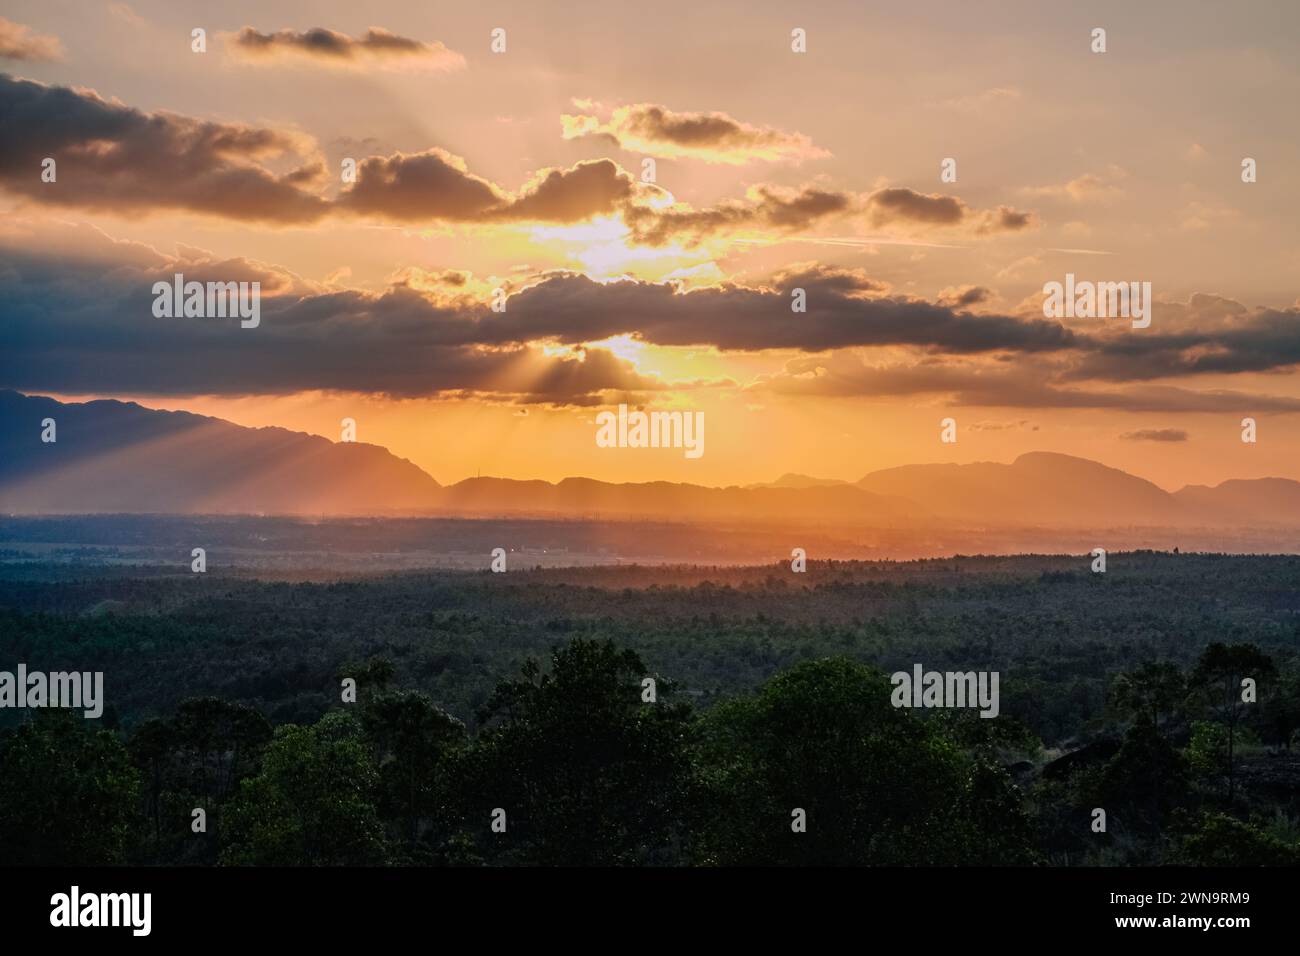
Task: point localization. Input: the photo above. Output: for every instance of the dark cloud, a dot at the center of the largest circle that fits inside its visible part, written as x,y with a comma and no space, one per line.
433,185
571,195
326,46
1033,382
891,205
1237,340
901,206
78,318
112,157
767,207
573,308
963,297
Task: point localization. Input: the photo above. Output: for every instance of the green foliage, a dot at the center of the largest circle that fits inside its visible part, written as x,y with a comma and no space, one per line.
878,785
1207,751
67,793
587,772
788,707
413,745
1146,780
312,804
1217,839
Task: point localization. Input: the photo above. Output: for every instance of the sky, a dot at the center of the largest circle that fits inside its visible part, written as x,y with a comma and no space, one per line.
519,176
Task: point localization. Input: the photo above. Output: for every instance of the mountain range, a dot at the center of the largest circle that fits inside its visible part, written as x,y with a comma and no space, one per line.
119,457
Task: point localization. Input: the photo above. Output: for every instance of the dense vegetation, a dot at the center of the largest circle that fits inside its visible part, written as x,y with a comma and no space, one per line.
524,692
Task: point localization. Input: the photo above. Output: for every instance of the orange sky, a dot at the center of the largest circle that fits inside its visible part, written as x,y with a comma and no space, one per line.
525,171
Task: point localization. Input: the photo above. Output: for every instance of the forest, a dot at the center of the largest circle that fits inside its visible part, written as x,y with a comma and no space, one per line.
675,716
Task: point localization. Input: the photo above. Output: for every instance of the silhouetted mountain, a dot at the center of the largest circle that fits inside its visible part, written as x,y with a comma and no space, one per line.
112,456
1258,501
1038,488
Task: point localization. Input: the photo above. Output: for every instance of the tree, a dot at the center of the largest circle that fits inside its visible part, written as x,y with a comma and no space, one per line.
1154,690
586,771
1217,679
194,760
876,784
312,804
68,793
1148,776
413,744
1216,839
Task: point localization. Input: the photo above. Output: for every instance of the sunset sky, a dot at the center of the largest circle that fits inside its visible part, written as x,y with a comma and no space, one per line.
774,170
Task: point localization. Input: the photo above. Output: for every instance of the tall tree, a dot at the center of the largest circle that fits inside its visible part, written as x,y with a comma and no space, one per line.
586,770
1217,679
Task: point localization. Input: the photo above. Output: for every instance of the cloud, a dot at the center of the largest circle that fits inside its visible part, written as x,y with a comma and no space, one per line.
1155,434
1090,187
584,190
432,185
376,47
78,319
896,205
18,42
437,186
1025,384
965,296
764,208
115,158
712,137
118,159
844,309
1208,335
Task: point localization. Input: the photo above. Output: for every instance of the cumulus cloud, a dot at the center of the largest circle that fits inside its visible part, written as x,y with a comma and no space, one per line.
376,47
965,296
432,185
18,42
113,157
435,185
770,208
713,137
898,205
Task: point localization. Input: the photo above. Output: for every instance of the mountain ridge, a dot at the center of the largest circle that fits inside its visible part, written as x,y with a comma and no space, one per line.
114,456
